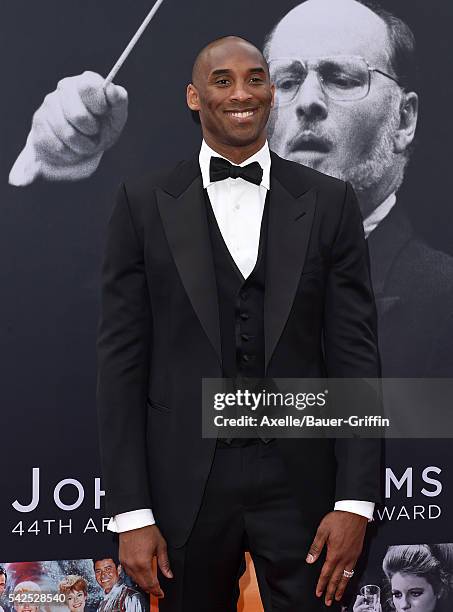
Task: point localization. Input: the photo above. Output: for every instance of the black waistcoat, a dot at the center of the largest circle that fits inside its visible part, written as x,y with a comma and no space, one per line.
241,303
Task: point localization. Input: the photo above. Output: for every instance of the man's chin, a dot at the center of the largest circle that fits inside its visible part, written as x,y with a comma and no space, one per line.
312,159
242,138
318,161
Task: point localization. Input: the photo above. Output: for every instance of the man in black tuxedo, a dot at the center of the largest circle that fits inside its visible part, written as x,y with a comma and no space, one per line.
236,262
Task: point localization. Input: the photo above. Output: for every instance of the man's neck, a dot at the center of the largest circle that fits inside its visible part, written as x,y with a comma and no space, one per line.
113,587
236,155
370,198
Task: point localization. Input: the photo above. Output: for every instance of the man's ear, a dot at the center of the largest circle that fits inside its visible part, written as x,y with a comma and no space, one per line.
408,121
193,101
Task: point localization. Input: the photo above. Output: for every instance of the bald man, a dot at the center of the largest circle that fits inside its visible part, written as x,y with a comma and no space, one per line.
366,139
357,134
235,263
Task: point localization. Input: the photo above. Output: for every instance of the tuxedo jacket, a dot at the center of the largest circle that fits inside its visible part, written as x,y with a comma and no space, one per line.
413,286
159,335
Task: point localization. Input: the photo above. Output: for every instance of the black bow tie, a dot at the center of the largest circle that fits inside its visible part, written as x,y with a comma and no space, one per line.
220,169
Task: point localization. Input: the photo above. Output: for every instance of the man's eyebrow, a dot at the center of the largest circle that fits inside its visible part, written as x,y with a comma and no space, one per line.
219,71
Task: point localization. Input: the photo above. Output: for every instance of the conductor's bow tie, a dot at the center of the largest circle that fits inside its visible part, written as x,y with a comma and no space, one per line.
220,169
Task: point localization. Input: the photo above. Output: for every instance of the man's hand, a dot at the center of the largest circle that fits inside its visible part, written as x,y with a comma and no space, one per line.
136,552
343,532
71,130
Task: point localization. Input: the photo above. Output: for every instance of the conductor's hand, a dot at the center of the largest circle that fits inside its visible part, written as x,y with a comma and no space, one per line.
343,533
71,130
136,551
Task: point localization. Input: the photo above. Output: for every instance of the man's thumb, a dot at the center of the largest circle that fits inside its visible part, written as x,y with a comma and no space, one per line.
316,547
115,94
164,563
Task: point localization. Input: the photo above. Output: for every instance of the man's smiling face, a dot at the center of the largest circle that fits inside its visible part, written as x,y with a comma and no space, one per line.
107,574
233,94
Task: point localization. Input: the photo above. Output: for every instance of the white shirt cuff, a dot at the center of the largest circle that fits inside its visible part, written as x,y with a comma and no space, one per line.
126,521
364,508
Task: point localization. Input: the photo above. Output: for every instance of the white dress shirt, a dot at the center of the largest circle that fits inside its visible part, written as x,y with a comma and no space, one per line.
379,214
238,208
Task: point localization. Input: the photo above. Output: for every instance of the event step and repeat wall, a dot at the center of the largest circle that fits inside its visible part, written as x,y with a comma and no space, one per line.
66,146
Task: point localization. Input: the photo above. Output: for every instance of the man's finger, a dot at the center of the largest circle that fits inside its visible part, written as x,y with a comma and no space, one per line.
75,111
118,101
324,576
145,577
92,93
163,562
341,587
115,94
155,588
26,168
149,586
316,546
336,585
69,137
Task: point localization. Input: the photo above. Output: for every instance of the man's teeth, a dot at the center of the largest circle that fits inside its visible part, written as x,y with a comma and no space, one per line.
242,114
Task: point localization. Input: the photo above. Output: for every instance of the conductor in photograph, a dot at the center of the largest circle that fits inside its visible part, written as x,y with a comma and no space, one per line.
233,263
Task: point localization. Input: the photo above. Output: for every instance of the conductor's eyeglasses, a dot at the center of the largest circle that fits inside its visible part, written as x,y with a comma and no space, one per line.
343,78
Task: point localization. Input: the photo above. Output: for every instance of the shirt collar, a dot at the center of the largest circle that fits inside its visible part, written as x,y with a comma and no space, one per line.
262,156
379,214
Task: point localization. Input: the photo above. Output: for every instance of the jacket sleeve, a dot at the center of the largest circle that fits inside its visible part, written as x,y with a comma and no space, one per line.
123,351
351,346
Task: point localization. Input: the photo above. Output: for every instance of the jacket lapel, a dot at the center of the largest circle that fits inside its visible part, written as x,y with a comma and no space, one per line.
291,210
182,208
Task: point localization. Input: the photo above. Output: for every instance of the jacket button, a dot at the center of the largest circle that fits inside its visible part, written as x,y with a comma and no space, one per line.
244,316
245,337
244,295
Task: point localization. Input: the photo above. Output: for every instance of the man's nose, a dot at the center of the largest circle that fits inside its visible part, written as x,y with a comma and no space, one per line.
311,101
241,93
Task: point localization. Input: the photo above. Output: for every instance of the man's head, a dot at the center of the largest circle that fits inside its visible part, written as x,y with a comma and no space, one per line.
2,580
347,107
107,572
232,93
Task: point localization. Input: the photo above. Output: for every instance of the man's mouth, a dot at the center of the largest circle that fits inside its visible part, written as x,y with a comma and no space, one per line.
308,141
242,114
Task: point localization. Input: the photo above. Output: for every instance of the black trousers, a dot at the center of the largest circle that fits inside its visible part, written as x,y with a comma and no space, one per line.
247,505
